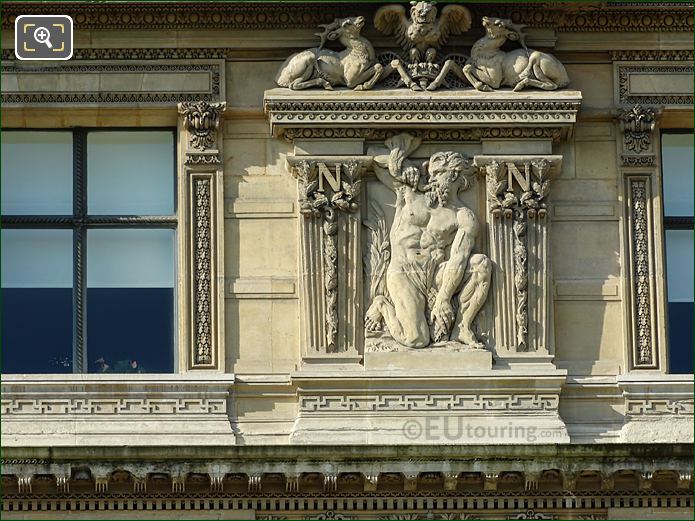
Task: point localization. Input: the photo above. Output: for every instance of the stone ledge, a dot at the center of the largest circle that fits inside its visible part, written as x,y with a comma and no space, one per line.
451,109
116,409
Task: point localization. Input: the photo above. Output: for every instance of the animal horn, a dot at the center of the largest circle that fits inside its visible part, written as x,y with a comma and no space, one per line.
327,28
519,29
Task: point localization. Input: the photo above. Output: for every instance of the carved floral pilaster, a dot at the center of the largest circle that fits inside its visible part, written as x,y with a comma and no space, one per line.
328,193
203,199
517,191
642,288
640,167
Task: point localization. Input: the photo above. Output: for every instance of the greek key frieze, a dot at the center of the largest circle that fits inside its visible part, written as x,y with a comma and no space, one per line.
430,402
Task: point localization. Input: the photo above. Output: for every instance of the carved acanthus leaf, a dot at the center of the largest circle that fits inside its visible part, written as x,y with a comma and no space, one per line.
637,124
201,120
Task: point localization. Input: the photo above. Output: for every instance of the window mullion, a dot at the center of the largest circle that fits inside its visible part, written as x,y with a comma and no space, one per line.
79,293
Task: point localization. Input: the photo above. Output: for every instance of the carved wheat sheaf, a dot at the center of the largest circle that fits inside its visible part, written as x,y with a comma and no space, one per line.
330,276
521,278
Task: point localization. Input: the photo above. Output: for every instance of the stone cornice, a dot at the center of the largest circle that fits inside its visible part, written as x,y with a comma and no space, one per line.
565,16
450,109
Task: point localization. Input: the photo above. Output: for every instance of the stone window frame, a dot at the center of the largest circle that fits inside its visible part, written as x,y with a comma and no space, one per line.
666,222
198,149
80,221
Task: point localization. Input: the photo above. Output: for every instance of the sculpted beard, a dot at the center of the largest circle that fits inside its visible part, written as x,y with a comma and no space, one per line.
437,192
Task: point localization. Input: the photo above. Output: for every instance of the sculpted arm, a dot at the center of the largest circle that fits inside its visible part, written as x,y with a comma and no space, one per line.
453,271
381,169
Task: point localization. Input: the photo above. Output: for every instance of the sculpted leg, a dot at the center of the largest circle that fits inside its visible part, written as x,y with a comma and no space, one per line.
305,80
405,317
471,299
470,76
398,66
368,78
449,66
316,82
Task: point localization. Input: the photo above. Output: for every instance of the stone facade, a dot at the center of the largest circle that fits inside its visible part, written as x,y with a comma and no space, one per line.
421,273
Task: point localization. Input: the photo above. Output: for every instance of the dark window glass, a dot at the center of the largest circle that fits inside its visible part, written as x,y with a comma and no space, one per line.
677,173
130,295
37,301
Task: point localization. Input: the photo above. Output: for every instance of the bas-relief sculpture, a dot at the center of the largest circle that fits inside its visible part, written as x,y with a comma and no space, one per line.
426,284
359,67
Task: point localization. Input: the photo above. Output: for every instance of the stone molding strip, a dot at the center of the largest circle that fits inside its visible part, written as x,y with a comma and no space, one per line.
565,16
228,53
653,55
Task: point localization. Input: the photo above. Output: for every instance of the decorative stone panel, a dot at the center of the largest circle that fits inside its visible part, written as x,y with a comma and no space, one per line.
329,192
116,409
517,203
654,83
113,83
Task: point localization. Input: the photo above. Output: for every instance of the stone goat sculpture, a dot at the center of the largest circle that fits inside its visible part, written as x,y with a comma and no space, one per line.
489,67
355,66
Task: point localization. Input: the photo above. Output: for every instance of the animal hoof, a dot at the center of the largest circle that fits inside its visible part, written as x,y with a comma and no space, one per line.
484,88
519,86
415,86
359,87
432,86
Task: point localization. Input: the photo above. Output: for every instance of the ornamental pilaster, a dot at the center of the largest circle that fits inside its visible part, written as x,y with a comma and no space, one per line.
201,194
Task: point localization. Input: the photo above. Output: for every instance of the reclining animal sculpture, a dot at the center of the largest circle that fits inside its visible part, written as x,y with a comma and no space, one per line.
488,67
355,67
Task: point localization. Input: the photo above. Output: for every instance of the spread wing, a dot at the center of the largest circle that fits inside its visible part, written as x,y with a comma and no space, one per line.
455,19
391,19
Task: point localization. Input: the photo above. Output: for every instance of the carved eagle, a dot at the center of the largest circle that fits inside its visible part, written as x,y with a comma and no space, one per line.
423,31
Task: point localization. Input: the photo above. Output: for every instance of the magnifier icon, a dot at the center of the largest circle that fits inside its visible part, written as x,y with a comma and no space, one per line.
43,35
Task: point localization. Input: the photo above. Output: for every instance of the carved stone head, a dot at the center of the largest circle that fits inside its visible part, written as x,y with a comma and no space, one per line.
446,172
423,12
503,28
349,27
